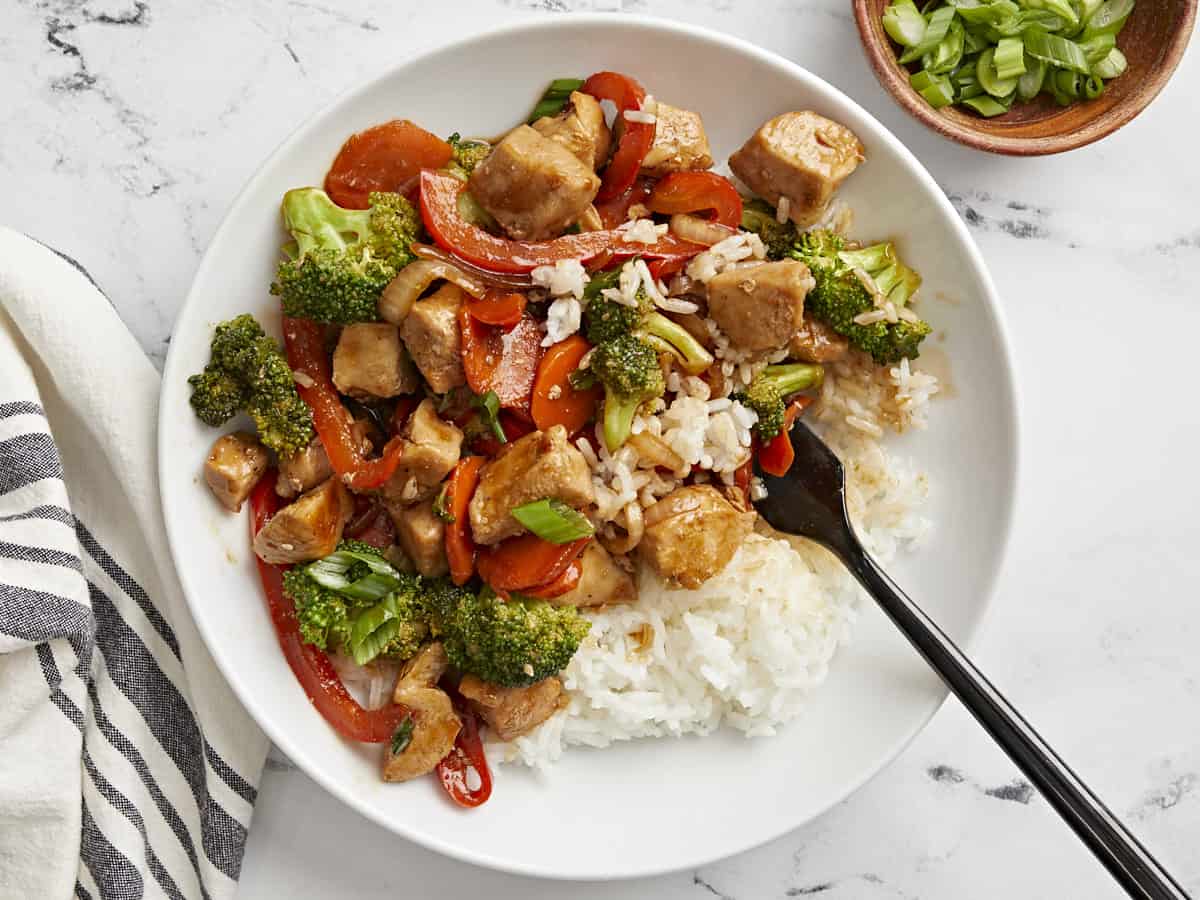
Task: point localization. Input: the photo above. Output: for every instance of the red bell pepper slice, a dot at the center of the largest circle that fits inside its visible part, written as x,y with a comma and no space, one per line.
388,157
306,355
451,232
616,211
777,455
636,137
526,561
466,754
310,665
693,192
460,547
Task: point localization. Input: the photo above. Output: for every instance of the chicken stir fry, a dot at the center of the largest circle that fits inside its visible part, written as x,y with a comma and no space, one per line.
545,386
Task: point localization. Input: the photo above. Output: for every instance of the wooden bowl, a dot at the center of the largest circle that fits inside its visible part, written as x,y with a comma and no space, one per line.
1153,40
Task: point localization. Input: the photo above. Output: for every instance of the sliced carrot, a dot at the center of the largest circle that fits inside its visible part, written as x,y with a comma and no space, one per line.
501,361
555,401
498,307
387,157
526,561
460,548
567,581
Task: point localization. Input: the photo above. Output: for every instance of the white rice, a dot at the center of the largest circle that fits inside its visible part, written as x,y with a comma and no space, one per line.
566,278
562,320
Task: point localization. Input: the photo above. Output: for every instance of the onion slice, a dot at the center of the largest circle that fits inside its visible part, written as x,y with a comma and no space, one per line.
414,279
699,231
656,451
506,280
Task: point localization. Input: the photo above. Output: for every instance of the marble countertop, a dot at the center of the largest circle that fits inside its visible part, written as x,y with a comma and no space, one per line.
127,127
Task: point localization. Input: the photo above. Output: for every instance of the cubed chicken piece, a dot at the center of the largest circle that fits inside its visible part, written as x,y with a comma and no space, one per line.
512,711
816,342
370,363
431,449
680,143
434,724
533,186
422,536
601,582
692,534
540,464
234,465
309,528
580,128
431,335
760,307
304,470
801,156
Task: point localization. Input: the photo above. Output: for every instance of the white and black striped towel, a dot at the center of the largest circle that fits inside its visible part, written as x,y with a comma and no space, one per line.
127,767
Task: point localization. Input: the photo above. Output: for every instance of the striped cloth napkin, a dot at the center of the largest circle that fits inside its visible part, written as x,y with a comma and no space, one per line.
127,767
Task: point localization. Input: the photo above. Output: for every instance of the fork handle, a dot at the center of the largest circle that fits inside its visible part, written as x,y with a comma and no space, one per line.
1139,873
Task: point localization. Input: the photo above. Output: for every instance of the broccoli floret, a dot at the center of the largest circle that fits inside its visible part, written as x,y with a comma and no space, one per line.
847,283
321,612
628,340
513,643
343,258
393,625
467,154
247,370
778,237
768,393
628,368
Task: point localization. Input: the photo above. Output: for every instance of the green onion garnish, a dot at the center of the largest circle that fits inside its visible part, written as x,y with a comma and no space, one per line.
995,52
488,405
553,521
555,98
402,736
379,579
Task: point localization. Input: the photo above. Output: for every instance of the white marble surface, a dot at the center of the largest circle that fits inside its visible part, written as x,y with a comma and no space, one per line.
127,127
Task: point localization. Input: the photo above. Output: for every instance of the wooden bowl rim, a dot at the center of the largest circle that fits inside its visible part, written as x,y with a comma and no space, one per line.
882,57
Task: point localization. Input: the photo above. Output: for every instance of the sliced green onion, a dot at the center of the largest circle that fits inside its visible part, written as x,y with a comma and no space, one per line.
1098,47
1087,9
946,56
1109,18
986,106
985,68
553,521
936,29
988,13
1057,50
936,89
1093,87
1060,8
402,736
374,628
441,506
904,23
1030,84
1068,83
332,572
1112,65
974,41
488,405
555,98
1010,58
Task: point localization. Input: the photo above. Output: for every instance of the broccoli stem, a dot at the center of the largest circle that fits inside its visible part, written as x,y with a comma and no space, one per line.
690,352
618,419
792,378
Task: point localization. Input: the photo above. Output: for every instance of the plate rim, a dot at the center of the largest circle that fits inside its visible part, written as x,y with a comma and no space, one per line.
547,24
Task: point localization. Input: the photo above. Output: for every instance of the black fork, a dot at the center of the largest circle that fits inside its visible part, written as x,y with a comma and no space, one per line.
810,500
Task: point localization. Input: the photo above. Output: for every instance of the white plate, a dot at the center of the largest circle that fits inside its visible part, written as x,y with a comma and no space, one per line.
653,806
